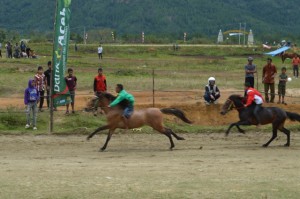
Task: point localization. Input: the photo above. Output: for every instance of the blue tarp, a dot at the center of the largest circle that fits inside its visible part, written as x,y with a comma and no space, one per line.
278,51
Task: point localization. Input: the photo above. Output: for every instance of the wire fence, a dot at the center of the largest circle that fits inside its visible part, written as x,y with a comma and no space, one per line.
185,82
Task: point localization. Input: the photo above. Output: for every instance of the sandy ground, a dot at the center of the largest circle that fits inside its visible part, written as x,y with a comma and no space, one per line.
141,166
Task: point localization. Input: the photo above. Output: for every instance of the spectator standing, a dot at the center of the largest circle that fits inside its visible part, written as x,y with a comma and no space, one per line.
17,51
31,98
212,92
40,84
71,82
250,69
23,48
99,86
282,85
100,51
296,62
9,50
268,79
0,49
47,74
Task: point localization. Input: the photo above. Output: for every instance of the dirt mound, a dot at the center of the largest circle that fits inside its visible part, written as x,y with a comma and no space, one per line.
190,102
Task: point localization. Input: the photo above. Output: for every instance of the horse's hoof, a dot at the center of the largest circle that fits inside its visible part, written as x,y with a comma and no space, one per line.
286,145
101,149
180,138
265,145
88,138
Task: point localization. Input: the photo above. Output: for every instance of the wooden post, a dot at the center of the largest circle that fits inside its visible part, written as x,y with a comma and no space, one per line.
153,89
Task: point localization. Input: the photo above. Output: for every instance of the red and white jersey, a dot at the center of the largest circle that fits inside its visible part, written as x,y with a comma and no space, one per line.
253,95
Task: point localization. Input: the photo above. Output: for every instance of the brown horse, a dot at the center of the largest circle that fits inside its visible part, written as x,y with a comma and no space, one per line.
288,55
273,115
152,117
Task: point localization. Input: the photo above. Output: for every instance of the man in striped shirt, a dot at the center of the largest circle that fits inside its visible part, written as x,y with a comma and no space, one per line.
41,85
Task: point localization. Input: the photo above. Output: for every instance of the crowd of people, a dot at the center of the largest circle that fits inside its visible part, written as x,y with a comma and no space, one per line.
17,51
35,93
251,95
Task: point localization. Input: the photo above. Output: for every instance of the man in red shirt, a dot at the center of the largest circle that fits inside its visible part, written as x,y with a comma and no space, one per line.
99,86
295,63
268,79
254,96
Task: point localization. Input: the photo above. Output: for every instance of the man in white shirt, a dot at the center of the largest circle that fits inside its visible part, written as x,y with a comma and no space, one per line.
100,50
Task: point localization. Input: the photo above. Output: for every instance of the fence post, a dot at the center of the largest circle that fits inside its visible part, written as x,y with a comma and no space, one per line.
153,90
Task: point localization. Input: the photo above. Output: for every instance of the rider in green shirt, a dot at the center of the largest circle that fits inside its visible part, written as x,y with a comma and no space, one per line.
123,95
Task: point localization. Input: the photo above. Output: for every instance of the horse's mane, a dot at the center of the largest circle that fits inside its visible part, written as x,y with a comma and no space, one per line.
123,104
109,96
239,100
235,96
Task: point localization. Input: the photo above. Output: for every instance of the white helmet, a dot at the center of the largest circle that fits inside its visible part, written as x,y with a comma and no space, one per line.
211,79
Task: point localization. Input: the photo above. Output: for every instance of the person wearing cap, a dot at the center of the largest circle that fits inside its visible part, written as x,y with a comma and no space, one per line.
250,69
99,86
268,79
281,85
212,92
253,97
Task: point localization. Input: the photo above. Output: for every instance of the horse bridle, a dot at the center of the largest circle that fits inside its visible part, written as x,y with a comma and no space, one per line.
232,106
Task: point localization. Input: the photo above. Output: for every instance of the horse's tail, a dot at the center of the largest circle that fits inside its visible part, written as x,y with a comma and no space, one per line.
293,116
178,113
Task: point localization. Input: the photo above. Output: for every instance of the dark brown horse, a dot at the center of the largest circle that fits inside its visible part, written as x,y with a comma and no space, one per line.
152,117
288,55
273,115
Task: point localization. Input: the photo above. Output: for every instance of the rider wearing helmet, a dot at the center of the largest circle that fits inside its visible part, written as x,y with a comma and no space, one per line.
212,92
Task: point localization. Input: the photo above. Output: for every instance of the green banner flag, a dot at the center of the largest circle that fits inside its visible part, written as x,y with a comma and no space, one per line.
60,92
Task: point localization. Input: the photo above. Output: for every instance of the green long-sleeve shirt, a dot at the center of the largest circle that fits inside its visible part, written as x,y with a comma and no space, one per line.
123,95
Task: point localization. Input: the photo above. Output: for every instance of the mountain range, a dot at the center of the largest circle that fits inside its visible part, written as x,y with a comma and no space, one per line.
268,19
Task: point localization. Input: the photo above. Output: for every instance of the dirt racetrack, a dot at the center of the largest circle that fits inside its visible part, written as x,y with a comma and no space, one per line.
141,166
205,165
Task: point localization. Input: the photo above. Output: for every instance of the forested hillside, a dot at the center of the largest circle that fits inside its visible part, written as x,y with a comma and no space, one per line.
267,18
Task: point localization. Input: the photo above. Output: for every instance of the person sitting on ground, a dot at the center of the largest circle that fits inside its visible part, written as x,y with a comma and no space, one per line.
254,96
123,95
212,92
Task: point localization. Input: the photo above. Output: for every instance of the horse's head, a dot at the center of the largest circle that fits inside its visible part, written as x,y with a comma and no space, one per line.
104,99
234,101
90,105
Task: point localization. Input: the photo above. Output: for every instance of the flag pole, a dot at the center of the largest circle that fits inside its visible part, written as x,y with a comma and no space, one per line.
52,73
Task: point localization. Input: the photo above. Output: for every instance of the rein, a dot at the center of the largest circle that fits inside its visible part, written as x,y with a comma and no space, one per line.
232,106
